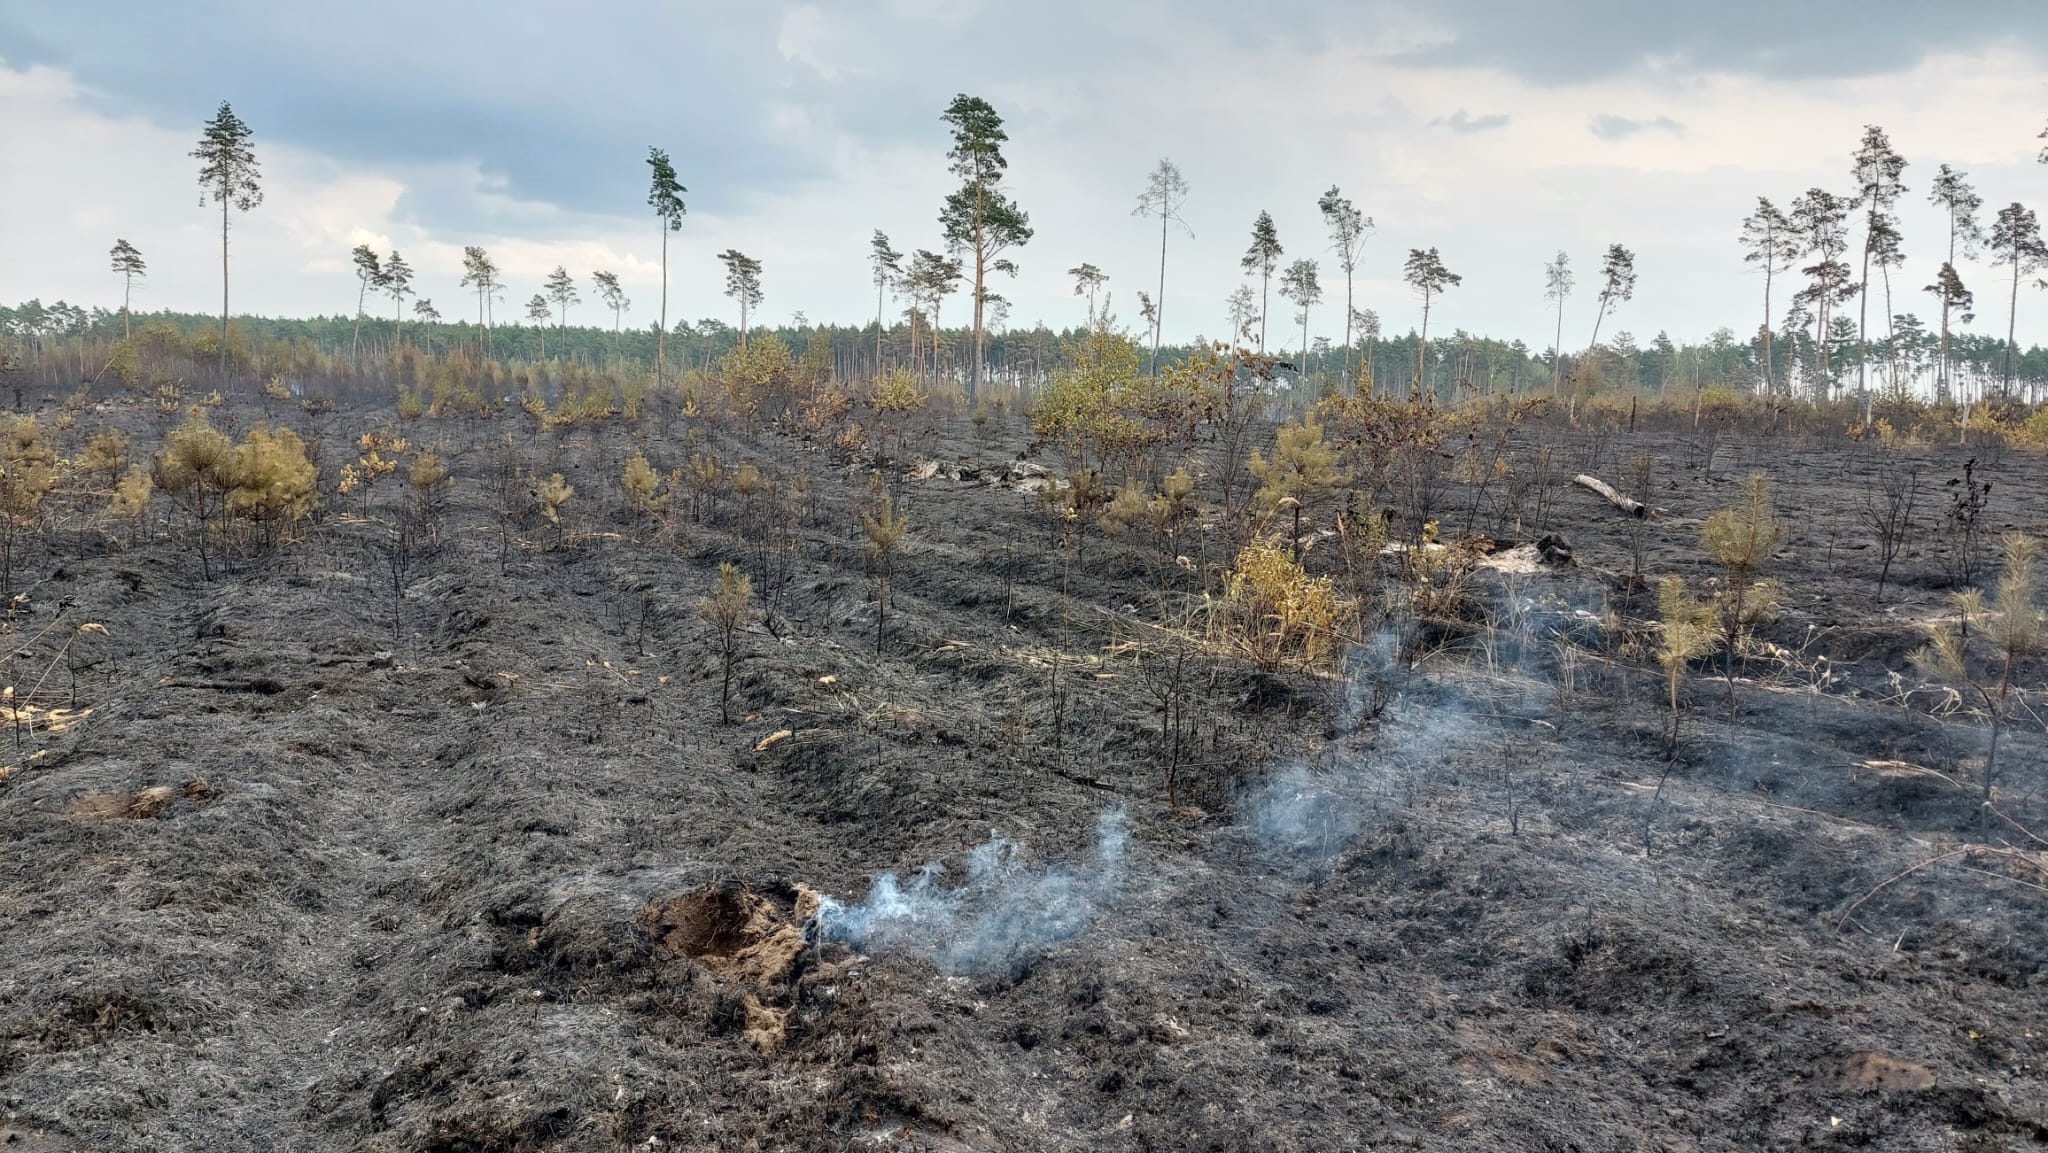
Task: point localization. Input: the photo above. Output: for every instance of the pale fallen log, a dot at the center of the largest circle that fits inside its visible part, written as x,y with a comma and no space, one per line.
1632,507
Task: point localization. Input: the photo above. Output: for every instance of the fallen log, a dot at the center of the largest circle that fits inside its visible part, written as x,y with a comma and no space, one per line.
1632,507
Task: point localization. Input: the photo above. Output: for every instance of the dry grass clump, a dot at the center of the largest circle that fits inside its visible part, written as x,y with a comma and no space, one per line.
1275,615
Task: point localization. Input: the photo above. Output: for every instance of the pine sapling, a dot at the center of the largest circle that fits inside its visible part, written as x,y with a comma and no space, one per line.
727,609
1303,468
1740,540
1691,628
554,495
885,529
2011,627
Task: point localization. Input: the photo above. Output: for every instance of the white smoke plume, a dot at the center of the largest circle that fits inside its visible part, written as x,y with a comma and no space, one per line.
1308,816
1002,917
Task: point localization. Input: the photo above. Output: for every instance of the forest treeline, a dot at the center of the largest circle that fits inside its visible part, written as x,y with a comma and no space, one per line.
66,344
1833,262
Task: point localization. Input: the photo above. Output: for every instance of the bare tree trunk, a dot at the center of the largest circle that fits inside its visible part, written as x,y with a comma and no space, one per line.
1941,382
224,289
1347,325
1557,350
355,336
1769,359
1159,304
980,289
1422,351
1820,344
1863,311
1891,326
2012,317
661,337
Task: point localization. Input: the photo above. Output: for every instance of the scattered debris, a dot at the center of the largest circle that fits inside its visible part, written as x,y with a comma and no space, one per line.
137,804
1629,505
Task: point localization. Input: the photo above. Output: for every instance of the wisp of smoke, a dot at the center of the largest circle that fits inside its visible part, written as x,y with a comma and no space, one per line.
1300,812
1309,817
1001,918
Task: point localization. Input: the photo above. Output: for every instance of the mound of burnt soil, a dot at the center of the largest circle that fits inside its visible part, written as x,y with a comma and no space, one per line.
745,939
737,934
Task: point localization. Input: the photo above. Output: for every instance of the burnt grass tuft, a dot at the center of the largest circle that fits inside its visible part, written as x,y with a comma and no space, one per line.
411,908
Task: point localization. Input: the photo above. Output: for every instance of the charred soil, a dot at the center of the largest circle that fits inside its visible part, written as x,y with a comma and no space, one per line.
441,844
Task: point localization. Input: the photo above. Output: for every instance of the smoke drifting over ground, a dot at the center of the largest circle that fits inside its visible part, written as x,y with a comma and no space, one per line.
1000,919
1306,814
1006,913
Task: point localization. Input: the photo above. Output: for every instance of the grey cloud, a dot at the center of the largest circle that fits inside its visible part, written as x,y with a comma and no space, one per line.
1463,122
1570,40
562,106
1611,127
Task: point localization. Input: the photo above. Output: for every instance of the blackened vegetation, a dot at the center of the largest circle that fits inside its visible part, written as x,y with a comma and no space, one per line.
478,867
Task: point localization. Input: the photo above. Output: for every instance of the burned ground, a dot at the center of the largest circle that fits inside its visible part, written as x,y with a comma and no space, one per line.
479,868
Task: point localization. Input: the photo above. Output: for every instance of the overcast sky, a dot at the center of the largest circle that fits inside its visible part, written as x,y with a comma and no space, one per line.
1497,131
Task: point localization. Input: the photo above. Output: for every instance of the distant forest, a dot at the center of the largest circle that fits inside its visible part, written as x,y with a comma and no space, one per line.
1832,281
1460,363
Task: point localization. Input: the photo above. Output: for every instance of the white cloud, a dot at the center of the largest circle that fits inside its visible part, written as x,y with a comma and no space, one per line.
808,37
1497,203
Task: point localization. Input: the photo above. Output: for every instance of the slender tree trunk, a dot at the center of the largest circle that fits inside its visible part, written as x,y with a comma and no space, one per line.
1422,351
725,685
1770,362
1159,305
1941,382
2012,319
879,290
980,285
1863,311
127,291
1891,327
1557,351
1266,305
661,338
1347,327
223,289
1820,342
355,336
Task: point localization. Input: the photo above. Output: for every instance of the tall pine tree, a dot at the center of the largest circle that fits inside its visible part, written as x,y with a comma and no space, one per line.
1165,191
665,196
127,264
980,219
1349,229
1771,245
1959,203
1426,274
2016,242
1878,167
1263,257
230,174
